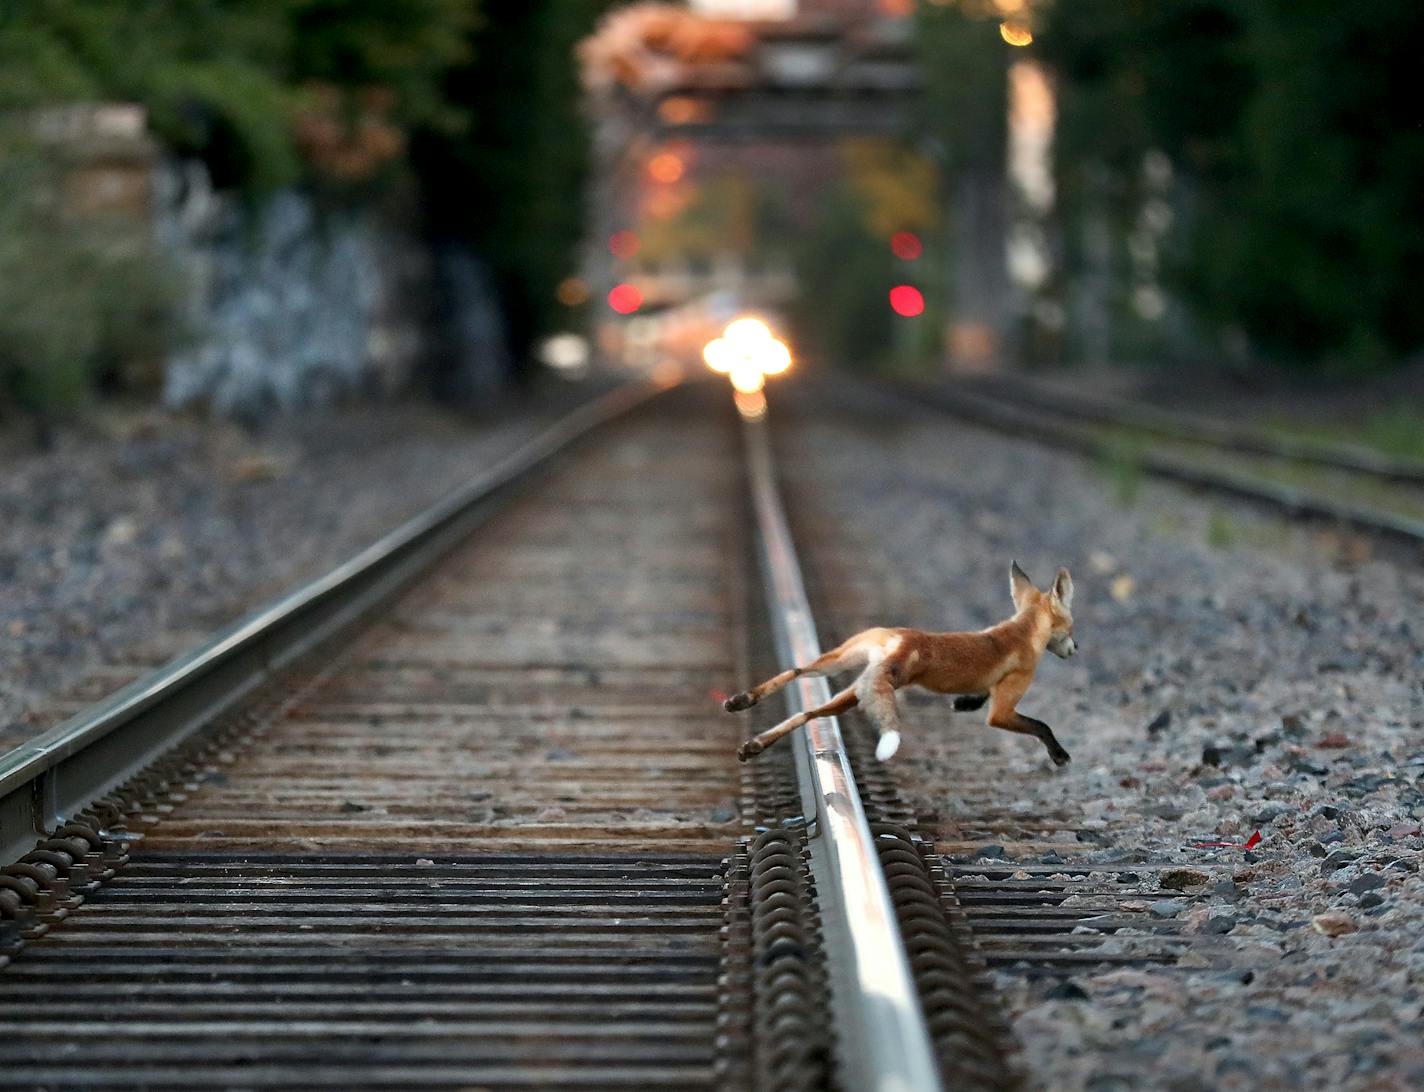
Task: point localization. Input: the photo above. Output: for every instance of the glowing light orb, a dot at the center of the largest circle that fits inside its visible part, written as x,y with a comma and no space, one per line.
746,377
747,330
907,300
565,352
572,291
906,246
624,244
625,298
751,406
666,167
775,357
747,352
1015,34
719,355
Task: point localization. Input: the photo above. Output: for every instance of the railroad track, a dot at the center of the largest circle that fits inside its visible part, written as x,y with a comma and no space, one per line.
464,813
1338,484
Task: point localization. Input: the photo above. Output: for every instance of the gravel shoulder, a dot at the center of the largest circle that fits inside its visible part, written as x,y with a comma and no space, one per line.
1236,673
144,532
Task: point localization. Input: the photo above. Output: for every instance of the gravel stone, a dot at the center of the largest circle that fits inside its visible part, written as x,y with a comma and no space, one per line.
1179,879
142,534
910,518
1339,858
993,853
1333,923
1270,811
1368,882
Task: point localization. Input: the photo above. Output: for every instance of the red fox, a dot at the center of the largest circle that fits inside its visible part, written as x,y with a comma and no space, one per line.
994,665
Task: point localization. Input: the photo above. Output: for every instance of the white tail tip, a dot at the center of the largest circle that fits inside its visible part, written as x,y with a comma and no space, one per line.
888,745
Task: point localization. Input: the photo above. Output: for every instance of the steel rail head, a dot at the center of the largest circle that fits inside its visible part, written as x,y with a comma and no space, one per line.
883,1041
52,777
995,412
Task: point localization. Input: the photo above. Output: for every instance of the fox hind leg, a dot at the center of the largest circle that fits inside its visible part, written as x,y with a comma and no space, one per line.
967,703
828,663
747,698
876,691
846,699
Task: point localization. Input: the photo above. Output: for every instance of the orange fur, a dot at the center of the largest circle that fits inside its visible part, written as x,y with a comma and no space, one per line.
995,664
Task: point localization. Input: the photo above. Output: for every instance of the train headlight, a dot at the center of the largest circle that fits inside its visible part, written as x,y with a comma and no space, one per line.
747,352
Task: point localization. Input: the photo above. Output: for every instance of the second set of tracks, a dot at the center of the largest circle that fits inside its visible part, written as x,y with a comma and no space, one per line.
466,814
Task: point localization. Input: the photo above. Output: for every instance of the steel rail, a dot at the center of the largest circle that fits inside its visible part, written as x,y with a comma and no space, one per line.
883,1042
55,775
996,413
1194,428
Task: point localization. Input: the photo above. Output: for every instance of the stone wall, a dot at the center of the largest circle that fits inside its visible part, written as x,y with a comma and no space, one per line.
288,308
289,305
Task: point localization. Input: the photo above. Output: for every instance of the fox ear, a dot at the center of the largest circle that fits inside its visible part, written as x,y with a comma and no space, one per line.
1063,588
1019,584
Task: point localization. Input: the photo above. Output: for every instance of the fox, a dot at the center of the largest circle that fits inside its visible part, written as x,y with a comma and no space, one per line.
994,665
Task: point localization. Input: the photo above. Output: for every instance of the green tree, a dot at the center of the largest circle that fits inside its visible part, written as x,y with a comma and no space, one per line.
74,304
512,186
1298,158
963,119
225,79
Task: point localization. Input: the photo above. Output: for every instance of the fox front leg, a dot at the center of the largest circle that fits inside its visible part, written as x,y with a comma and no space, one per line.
967,703
1002,714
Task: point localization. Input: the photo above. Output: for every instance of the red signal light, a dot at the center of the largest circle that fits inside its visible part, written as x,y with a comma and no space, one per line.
906,300
906,246
624,244
625,298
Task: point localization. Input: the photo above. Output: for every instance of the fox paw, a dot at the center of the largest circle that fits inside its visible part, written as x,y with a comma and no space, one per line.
737,702
1060,757
750,749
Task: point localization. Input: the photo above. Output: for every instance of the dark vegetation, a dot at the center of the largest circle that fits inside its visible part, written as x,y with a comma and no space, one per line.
1294,135
1272,145
472,102
512,184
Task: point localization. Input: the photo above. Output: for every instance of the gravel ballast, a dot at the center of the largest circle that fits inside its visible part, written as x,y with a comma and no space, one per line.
1236,673
146,532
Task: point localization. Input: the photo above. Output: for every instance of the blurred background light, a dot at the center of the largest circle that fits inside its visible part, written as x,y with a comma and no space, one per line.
751,406
1015,34
565,352
775,357
572,291
906,246
907,300
624,244
748,351
718,353
747,378
744,330
625,298
666,167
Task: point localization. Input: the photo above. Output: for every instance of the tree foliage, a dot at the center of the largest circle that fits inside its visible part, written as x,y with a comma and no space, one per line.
74,305
512,185
225,80
1298,152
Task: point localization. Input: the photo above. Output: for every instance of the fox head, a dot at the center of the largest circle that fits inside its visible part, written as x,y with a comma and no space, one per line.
1056,603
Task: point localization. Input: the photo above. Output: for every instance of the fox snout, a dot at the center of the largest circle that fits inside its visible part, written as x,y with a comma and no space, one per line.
1063,647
